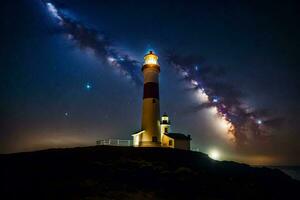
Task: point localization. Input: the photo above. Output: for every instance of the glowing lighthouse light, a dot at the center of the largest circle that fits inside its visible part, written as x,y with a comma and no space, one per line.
151,59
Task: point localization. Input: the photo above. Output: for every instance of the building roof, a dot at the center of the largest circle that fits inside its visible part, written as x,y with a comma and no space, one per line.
179,136
137,133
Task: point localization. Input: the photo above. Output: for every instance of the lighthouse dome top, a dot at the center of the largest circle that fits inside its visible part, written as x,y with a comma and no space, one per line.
150,59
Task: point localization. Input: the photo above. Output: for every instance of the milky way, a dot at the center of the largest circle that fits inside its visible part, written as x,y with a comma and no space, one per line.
243,123
92,40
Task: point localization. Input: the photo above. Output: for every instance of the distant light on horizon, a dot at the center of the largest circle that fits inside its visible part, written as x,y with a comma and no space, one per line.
214,154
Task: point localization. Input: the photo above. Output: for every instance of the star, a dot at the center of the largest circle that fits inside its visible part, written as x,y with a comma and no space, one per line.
259,121
88,86
215,100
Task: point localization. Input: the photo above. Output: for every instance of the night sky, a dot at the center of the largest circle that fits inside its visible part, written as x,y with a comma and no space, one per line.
65,85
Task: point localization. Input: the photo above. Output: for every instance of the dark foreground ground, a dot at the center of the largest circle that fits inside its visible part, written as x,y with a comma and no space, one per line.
106,172
293,171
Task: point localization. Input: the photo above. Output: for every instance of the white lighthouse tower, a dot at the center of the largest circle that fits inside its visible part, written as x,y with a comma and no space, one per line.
150,134
155,132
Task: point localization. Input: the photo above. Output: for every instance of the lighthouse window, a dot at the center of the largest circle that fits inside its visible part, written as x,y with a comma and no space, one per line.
166,129
153,100
154,139
170,142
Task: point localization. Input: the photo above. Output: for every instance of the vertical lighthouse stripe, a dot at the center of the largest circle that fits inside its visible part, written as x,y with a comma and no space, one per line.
151,90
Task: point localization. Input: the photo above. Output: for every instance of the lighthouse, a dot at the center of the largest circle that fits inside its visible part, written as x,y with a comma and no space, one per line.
150,134
155,130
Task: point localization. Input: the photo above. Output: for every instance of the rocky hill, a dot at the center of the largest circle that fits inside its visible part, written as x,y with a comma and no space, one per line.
107,172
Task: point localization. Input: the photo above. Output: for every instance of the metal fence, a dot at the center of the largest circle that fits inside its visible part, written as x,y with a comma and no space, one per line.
195,149
127,143
114,142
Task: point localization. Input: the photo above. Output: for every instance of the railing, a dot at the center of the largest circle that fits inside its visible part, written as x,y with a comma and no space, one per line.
118,142
195,149
114,142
